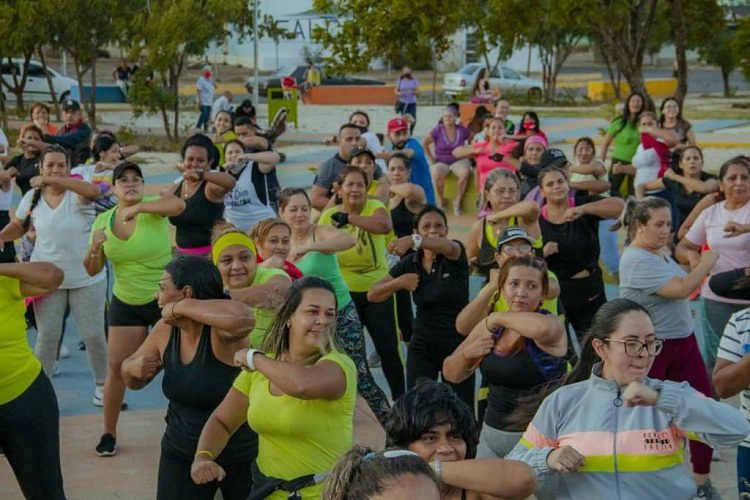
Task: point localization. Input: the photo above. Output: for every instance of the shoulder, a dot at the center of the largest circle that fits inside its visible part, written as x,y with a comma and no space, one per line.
325,217
264,274
345,362
244,381
372,204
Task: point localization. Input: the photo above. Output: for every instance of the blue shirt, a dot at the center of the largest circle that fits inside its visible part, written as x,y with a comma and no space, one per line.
420,169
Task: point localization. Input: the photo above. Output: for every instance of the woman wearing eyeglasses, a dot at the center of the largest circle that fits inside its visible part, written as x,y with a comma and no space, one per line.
135,237
650,277
608,431
518,352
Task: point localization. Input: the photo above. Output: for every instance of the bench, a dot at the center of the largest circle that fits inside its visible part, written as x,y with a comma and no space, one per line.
104,93
351,94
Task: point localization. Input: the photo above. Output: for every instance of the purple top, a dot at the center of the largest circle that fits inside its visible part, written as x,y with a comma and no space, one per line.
443,146
408,89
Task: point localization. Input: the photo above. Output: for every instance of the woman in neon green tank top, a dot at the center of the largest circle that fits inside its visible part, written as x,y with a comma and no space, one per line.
313,251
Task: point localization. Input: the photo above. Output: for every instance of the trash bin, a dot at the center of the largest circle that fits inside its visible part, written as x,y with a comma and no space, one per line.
282,98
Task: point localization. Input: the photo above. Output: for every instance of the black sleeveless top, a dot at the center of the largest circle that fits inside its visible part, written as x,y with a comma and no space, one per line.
195,223
194,390
486,258
403,220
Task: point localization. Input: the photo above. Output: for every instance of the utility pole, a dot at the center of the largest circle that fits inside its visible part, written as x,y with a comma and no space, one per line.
255,53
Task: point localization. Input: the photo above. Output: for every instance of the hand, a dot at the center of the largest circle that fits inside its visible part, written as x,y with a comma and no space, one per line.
146,367
299,251
101,166
669,173
640,191
572,214
617,168
639,394
129,213
550,248
409,281
193,175
240,359
479,347
335,188
38,182
273,262
497,157
565,459
340,219
168,314
330,140
400,246
180,167
205,470
98,238
733,229
20,143
710,257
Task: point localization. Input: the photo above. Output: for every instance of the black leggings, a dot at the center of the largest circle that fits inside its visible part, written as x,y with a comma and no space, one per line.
30,438
175,483
425,357
380,320
581,299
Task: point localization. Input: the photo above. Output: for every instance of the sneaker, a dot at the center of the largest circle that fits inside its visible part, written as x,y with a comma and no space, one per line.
56,370
107,446
81,346
707,490
64,352
373,360
98,399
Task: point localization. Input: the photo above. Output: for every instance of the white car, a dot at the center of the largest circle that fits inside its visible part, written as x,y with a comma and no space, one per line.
37,88
504,78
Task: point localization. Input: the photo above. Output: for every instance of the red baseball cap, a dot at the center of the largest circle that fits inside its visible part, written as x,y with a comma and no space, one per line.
397,124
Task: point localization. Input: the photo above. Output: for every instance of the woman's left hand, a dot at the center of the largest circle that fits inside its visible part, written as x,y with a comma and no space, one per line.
572,214
733,229
639,394
400,246
37,182
240,359
168,314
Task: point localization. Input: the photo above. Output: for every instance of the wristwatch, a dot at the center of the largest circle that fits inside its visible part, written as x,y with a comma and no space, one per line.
416,242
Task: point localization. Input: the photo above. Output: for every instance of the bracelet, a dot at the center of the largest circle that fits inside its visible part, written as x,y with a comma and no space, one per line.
249,358
206,452
174,304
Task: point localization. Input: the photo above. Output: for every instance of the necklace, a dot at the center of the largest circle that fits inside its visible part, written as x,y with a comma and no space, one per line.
188,193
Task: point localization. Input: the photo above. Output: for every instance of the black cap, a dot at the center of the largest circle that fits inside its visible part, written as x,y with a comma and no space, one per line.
71,104
513,233
123,167
553,157
361,151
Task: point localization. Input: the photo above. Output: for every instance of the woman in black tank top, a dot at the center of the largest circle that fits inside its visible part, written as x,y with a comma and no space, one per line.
194,344
406,198
203,191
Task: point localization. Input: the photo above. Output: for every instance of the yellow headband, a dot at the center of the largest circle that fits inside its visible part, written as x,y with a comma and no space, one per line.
229,239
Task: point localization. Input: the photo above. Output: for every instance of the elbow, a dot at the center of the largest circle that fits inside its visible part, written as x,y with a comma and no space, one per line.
721,387
55,277
526,481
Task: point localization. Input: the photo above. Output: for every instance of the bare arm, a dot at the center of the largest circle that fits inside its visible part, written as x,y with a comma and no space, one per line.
475,311
218,184
705,202
669,137
319,198
412,193
86,191
377,223
383,191
462,152
474,241
266,159
386,287
730,378
688,253
36,278
608,208
595,168
233,319
269,294
140,368
331,240
592,187
529,211
167,205
680,287
652,185
221,425
426,142
697,185
323,380
13,230
490,477
545,329
605,146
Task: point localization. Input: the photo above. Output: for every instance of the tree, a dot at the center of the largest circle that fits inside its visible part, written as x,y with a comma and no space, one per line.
19,36
741,46
272,29
720,52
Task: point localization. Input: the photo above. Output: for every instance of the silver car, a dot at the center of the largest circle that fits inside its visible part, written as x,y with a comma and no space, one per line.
504,78
37,88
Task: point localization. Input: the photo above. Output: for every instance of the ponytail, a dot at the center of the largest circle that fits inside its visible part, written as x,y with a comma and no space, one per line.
34,202
637,211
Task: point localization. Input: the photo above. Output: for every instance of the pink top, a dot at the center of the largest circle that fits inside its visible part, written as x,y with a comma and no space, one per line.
485,165
733,252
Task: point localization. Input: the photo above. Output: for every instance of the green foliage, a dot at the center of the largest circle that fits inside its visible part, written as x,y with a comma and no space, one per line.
741,46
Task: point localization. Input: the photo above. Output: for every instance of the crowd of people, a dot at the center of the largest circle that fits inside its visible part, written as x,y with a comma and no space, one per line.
257,315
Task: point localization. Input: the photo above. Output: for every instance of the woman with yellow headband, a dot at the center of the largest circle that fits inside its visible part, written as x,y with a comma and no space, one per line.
263,289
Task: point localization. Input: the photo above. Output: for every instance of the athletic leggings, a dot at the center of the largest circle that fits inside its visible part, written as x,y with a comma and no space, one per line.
680,361
349,335
30,439
581,299
380,320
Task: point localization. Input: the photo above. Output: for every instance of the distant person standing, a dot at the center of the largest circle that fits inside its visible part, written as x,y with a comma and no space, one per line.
312,78
407,89
205,89
222,103
122,74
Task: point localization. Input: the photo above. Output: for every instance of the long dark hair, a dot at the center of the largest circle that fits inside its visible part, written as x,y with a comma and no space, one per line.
199,274
54,148
102,144
625,117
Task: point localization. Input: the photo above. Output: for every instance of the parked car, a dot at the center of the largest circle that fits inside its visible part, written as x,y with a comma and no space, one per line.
37,88
298,73
504,78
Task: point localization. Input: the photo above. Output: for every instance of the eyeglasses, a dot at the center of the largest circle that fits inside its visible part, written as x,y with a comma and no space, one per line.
512,249
634,348
135,181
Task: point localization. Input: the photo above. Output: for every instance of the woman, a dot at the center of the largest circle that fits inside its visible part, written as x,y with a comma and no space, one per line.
365,159
488,154
623,130
363,473
39,115
653,417
203,191
503,197
433,422
588,168
314,248
445,137
437,274
725,229
242,205
569,225
62,212
194,345
25,166
407,90
671,119
481,91
687,183
135,237
651,278
106,156
298,394
27,396
365,264
223,133
234,253
272,240
526,340
529,126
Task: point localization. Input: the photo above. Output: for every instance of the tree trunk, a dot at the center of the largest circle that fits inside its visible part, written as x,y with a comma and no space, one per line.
92,105
725,79
434,77
174,76
52,93
3,110
680,45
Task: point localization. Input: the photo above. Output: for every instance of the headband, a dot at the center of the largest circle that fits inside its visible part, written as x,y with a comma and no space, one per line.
534,139
227,240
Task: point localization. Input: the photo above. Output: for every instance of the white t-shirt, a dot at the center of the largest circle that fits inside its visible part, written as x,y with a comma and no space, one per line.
242,206
206,89
3,143
220,104
734,345
373,144
62,236
733,252
647,164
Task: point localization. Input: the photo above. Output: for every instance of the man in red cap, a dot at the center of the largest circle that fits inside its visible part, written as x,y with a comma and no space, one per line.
400,137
